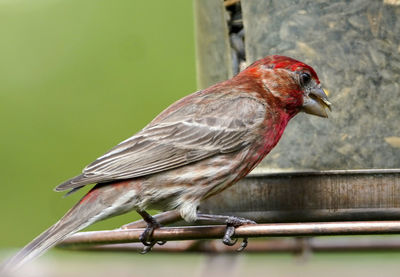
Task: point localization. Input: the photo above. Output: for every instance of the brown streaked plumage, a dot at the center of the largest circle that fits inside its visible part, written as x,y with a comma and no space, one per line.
197,147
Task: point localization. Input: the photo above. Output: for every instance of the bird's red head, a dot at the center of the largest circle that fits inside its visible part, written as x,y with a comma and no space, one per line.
291,84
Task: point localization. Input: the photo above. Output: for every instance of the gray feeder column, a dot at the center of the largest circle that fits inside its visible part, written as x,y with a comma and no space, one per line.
354,46
212,43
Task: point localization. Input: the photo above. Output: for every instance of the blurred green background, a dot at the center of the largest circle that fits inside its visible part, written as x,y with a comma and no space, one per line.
76,78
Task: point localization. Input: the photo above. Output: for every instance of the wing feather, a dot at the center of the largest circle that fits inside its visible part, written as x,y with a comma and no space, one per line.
185,135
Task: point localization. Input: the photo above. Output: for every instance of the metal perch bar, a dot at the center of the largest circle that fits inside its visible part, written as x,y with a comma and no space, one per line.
292,245
217,231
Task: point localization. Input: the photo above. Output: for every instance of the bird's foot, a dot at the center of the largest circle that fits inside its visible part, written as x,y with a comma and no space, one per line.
146,236
231,224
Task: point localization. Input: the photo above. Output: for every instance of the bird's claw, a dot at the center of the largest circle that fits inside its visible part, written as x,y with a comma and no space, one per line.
145,237
231,224
148,245
243,245
147,248
227,239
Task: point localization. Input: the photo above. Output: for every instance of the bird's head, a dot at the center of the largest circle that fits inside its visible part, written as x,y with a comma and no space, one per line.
290,83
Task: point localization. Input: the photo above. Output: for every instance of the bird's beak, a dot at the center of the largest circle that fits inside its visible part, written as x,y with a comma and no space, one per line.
316,102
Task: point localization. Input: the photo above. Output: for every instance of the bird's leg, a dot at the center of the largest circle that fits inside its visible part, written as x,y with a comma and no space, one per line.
231,222
146,236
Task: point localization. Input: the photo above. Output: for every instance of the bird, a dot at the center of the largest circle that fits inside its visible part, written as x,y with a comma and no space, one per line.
197,147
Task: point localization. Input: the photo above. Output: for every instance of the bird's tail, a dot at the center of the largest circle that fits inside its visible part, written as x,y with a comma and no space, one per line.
44,241
95,206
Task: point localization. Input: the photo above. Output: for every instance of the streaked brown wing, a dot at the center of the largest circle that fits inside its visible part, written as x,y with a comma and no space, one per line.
191,133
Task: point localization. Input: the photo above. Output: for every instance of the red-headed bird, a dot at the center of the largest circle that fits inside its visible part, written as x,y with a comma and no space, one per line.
197,147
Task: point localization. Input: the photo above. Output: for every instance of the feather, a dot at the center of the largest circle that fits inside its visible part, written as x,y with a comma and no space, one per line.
179,137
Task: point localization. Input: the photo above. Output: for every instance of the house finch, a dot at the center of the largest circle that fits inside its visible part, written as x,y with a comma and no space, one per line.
197,147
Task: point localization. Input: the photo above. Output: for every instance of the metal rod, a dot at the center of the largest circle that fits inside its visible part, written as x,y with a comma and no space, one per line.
292,245
257,230
266,172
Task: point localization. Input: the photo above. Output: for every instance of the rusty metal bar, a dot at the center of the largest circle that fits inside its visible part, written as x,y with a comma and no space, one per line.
265,172
257,230
292,245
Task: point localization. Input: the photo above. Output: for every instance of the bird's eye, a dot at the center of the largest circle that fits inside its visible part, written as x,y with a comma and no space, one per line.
305,78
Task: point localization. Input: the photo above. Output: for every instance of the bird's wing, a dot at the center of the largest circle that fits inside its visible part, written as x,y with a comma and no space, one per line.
183,135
